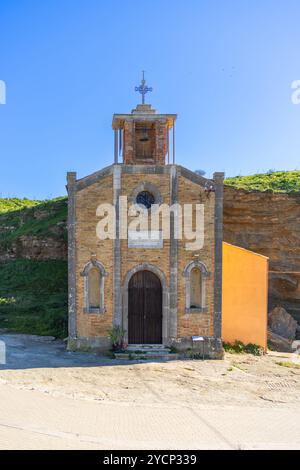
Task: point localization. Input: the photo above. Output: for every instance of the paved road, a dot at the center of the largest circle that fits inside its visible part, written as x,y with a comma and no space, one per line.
31,351
33,420
30,419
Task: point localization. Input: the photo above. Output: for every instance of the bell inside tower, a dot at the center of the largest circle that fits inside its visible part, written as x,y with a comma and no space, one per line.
144,141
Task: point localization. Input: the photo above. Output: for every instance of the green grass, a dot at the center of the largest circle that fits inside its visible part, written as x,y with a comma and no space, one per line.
276,182
15,204
20,217
33,297
290,365
235,365
33,294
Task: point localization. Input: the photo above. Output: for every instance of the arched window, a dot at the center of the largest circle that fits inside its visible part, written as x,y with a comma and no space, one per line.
94,280
195,275
94,275
196,288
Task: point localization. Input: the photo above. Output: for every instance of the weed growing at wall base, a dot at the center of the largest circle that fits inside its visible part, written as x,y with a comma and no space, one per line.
240,348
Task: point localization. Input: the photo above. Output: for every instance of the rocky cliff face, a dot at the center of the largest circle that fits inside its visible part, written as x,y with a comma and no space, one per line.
33,230
269,224
33,247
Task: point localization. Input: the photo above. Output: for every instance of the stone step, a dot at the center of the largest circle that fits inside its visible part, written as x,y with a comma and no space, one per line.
147,347
147,355
148,351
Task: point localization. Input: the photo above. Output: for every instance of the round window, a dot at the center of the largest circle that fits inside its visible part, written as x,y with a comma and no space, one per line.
145,199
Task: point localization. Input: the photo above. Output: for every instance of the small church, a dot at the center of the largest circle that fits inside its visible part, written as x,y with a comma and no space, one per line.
159,290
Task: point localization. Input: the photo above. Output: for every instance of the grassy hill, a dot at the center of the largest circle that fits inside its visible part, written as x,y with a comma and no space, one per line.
33,293
24,217
276,182
33,297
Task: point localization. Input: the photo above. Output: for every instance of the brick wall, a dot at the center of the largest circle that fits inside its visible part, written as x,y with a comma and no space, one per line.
196,323
128,150
87,200
133,256
160,143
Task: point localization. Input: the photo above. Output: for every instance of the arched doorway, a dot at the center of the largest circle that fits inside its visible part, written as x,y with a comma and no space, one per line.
144,308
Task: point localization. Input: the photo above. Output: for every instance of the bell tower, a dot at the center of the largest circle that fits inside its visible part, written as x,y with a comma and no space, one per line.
143,137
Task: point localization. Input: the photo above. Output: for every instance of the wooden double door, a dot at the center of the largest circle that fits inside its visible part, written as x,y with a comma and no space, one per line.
144,309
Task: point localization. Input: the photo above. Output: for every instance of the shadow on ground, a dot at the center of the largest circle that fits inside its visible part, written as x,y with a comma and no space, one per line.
30,351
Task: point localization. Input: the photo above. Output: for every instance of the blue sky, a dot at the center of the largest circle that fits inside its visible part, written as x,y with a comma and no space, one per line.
225,67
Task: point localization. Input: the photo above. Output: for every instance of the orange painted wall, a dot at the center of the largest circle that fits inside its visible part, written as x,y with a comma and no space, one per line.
244,296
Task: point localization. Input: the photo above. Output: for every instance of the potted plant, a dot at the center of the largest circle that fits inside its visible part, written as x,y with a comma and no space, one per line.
116,335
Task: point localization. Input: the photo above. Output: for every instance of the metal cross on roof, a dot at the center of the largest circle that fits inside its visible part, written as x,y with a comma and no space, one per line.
143,88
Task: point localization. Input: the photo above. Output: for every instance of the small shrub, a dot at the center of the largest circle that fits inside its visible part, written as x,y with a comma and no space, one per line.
254,349
116,335
270,346
240,348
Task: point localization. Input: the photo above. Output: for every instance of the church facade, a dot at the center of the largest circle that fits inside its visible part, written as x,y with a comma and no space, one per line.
160,289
